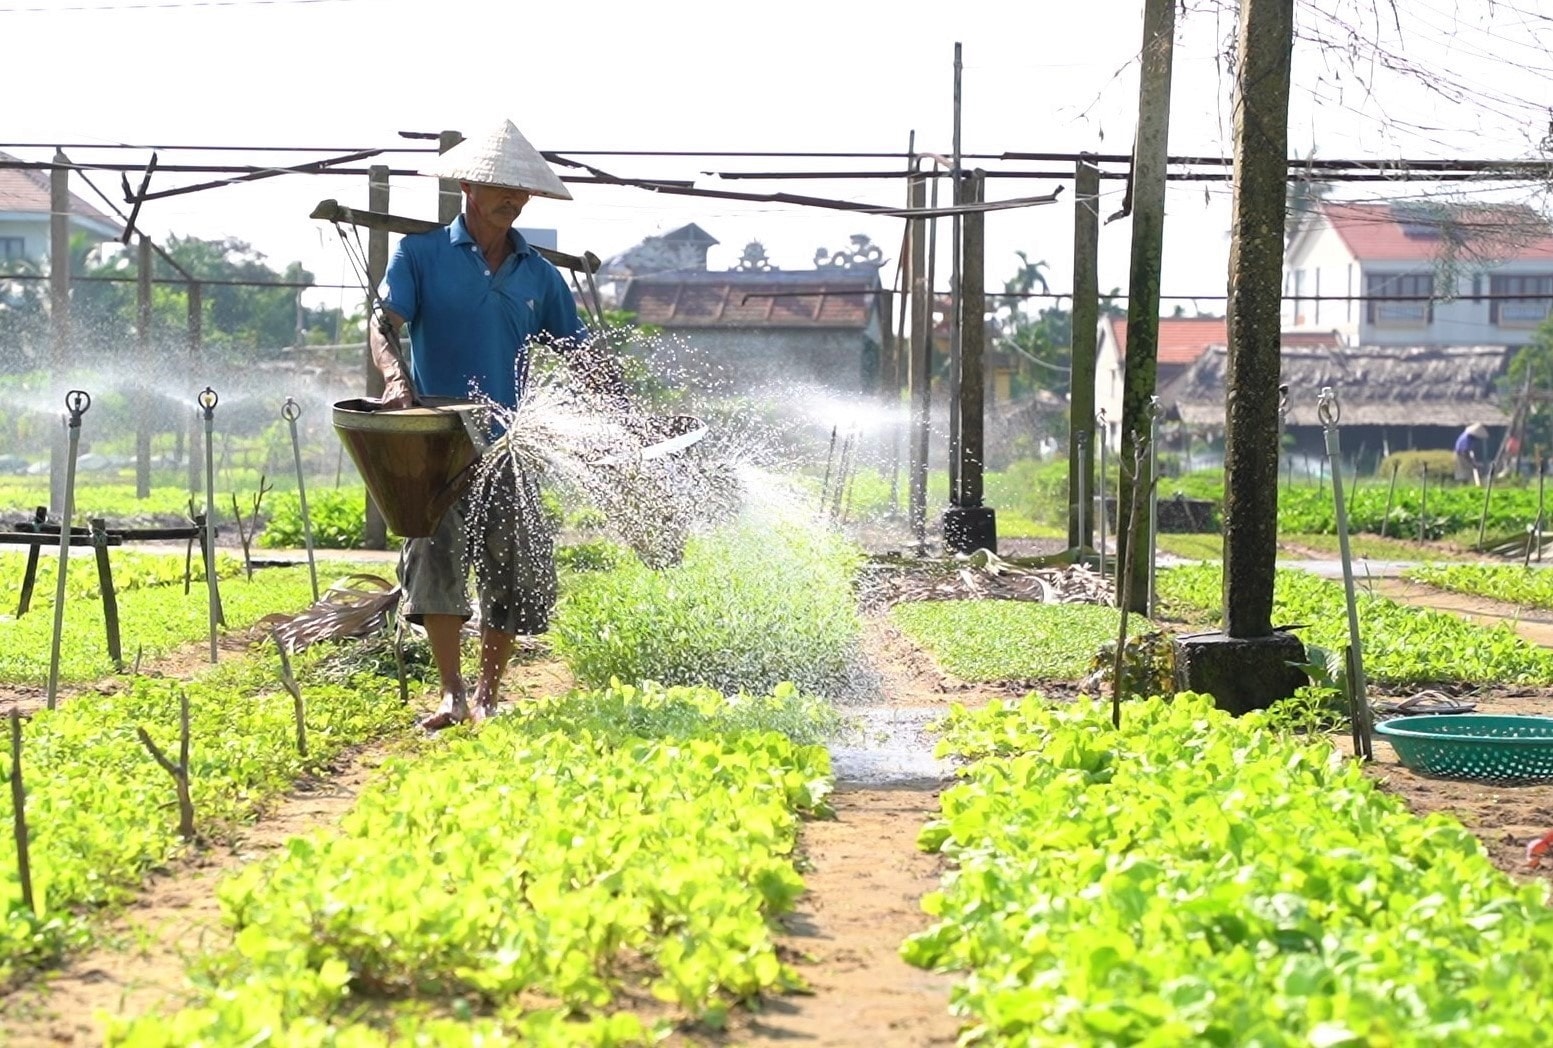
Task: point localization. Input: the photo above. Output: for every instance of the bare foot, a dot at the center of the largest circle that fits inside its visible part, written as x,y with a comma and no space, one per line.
482,708
454,710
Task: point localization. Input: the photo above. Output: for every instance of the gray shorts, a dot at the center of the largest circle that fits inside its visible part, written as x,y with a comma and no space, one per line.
499,529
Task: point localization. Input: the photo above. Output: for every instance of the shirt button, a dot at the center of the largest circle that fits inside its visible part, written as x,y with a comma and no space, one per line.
487,272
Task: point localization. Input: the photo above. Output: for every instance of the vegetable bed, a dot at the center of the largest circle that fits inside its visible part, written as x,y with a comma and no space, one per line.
543,880
99,809
1197,879
1011,640
1403,645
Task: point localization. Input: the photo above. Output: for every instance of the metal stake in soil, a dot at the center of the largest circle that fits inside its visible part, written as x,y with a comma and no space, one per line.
76,403
1391,494
291,411
1156,412
19,814
1083,491
1488,493
207,401
1101,433
1330,412
1142,448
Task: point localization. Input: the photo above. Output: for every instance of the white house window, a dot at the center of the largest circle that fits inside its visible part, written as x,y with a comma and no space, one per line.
1412,306
12,249
1509,311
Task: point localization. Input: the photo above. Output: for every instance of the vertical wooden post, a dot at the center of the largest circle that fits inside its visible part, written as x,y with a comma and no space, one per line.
973,339
920,364
196,349
142,392
59,315
1255,316
968,524
450,198
374,533
1086,320
957,188
19,814
1149,161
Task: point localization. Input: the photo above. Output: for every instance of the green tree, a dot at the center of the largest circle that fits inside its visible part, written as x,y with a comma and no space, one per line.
1531,372
1040,340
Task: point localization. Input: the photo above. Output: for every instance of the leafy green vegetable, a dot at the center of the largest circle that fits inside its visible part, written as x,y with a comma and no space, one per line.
747,610
1196,879
1402,644
153,620
1507,582
542,877
97,803
997,640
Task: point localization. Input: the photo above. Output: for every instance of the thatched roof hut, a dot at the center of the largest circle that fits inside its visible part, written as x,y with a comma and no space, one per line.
1405,387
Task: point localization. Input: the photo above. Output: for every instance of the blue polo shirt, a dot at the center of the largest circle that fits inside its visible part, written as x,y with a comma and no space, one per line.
469,327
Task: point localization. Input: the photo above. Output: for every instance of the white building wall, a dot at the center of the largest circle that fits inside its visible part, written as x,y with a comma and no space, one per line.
1319,263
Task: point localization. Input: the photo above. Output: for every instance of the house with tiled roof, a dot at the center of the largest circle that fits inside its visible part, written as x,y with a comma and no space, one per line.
1420,274
758,325
25,205
1182,341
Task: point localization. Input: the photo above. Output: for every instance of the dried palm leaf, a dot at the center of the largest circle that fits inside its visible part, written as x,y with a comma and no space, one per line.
358,605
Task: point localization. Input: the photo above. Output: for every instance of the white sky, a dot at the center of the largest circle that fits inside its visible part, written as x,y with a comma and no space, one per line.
841,75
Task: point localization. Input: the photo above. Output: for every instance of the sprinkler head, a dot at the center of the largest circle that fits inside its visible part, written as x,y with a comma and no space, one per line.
290,410
76,402
208,401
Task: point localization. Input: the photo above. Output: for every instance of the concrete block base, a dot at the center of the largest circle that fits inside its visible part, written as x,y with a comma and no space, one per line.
970,528
1242,674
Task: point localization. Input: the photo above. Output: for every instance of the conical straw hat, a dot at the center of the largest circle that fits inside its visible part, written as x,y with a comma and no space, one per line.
1477,429
500,156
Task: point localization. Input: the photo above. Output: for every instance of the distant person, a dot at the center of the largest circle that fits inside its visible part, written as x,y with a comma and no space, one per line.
1469,463
476,295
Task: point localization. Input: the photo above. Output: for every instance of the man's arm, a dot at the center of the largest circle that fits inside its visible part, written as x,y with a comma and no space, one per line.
388,357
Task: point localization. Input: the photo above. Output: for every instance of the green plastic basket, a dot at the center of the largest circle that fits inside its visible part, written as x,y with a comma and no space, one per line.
1474,746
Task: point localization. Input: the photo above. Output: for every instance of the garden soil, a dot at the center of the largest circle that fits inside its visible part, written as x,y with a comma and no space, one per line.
1504,817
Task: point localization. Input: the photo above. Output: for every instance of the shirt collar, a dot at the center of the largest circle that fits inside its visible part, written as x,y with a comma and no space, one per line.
458,234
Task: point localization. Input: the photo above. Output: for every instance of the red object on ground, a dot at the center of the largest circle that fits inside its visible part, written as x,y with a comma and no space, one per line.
1538,848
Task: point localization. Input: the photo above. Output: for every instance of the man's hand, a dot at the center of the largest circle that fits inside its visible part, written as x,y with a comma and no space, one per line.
383,340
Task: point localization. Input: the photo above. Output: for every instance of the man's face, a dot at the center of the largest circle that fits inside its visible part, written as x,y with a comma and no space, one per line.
497,204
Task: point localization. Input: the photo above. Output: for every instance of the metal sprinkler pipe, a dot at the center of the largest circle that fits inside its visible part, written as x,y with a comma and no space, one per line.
1330,412
207,402
1101,431
76,403
291,411
1082,437
1156,412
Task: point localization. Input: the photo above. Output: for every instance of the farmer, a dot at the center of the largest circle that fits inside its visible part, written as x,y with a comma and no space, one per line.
1468,461
475,295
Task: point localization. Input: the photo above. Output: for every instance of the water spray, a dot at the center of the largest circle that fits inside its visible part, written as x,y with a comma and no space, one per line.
207,402
291,411
76,403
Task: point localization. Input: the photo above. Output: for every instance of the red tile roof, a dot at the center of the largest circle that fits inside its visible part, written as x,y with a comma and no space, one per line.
27,190
1413,233
1181,339
755,300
